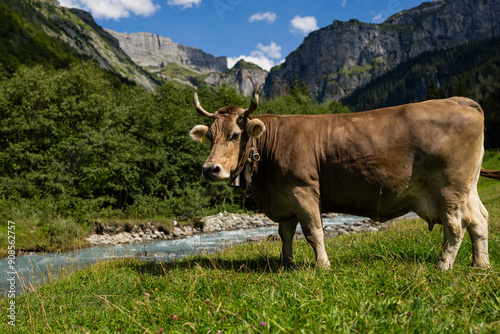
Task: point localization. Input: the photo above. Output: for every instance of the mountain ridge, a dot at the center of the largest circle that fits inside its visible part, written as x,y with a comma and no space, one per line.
154,51
333,61
243,75
337,59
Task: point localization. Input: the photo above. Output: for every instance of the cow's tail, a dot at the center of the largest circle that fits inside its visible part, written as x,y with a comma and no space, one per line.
491,174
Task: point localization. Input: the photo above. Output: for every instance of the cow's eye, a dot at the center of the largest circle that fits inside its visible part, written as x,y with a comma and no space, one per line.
235,136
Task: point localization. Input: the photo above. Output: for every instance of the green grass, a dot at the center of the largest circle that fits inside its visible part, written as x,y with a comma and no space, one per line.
54,235
379,282
176,70
383,282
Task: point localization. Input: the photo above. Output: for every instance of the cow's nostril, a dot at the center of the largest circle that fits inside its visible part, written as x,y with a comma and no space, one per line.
212,171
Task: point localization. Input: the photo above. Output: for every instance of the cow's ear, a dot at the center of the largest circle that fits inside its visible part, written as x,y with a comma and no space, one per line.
255,128
199,133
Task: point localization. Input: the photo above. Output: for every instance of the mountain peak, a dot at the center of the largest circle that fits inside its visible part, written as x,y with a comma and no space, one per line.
243,75
245,64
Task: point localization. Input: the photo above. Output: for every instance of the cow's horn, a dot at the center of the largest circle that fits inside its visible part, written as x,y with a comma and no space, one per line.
255,100
200,109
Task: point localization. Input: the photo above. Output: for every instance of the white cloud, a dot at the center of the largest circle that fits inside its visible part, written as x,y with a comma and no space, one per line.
343,3
272,50
113,9
269,17
378,19
184,3
262,57
303,25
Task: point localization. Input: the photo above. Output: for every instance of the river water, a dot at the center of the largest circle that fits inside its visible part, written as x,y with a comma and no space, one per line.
32,270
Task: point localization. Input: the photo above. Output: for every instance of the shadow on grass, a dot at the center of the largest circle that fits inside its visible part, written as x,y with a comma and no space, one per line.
382,260
258,264
268,264
390,251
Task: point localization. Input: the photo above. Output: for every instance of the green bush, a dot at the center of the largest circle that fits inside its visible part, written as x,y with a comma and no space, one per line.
74,145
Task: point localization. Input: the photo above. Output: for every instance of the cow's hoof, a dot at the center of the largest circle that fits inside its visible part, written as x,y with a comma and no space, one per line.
444,266
289,266
323,264
482,266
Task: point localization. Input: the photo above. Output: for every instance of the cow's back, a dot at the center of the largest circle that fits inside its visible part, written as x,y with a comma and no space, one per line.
369,163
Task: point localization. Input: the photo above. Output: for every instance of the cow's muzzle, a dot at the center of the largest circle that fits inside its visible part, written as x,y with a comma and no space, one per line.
213,172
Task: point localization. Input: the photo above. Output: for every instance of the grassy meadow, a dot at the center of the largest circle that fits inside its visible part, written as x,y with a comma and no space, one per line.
379,283
383,282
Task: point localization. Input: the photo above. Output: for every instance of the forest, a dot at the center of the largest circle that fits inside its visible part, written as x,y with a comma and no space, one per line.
75,144
471,69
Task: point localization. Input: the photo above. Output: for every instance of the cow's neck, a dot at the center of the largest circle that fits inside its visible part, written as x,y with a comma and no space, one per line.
247,164
255,149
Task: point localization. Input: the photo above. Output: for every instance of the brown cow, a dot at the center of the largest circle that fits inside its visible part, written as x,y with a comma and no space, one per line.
423,157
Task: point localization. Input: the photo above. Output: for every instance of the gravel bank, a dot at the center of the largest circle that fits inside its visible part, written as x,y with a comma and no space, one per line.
147,232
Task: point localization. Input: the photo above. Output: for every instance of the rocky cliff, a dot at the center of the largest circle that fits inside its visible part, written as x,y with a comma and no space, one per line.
244,76
337,59
156,52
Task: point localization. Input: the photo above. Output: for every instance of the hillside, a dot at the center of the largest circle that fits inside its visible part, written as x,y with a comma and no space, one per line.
408,82
42,32
188,65
23,43
337,59
470,69
333,62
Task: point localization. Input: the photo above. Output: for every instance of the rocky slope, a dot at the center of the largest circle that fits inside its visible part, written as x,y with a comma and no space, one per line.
78,29
337,59
156,52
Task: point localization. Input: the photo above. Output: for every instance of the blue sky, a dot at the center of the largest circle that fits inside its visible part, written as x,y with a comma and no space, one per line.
261,31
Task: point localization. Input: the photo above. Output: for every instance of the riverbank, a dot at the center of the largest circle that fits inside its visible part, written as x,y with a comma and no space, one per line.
117,233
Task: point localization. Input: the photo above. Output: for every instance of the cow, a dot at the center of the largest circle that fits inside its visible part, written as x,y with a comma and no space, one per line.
423,157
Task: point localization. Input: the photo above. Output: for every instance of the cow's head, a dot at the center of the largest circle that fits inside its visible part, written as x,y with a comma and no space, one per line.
230,135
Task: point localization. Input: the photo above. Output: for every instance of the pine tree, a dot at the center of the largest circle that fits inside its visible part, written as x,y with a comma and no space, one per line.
295,87
432,90
460,89
300,92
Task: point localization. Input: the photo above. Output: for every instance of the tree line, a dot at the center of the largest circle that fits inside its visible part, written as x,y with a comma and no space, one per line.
73,141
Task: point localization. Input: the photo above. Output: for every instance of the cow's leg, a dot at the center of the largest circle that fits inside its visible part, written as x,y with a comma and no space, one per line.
453,236
287,231
477,226
305,201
